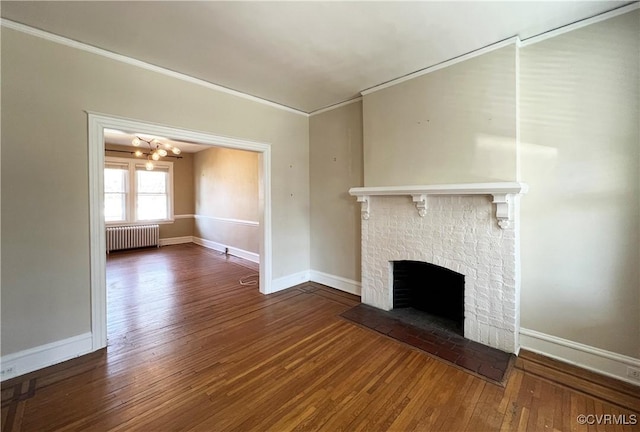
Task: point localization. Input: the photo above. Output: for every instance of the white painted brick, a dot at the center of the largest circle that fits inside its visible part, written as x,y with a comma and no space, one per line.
461,234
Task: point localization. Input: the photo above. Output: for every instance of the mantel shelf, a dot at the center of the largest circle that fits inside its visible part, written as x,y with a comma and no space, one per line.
502,192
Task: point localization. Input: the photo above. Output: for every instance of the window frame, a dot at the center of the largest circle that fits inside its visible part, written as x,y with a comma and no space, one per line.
115,165
132,193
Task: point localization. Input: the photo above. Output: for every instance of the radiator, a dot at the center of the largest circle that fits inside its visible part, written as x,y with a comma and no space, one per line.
129,237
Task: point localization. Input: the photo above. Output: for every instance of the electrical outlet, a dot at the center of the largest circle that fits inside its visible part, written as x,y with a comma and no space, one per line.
633,373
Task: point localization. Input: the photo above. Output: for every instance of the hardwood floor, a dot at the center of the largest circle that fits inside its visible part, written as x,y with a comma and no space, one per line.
450,347
192,349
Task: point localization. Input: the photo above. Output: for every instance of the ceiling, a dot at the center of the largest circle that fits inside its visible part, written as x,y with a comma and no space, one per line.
304,55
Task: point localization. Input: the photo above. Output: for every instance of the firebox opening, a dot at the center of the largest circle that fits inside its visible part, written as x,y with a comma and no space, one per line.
426,295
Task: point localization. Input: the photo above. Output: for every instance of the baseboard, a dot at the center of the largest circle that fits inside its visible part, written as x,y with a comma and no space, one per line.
240,253
288,281
209,244
336,282
175,240
591,358
594,384
32,359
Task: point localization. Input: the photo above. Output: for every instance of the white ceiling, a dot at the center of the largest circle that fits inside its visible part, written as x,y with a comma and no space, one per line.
305,55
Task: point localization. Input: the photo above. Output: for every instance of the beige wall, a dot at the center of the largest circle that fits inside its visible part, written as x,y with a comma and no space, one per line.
335,141
454,125
580,155
226,187
581,159
46,90
183,200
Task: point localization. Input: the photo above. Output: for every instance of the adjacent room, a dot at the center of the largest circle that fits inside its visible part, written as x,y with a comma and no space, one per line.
161,192
208,195
320,216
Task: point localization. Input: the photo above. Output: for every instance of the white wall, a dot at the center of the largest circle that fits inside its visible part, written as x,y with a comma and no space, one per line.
581,159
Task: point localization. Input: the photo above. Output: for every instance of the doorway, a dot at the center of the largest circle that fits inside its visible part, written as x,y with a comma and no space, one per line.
96,125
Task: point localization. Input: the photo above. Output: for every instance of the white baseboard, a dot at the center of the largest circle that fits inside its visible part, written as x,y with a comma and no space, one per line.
332,281
587,357
209,244
240,253
175,240
249,256
288,281
337,282
32,359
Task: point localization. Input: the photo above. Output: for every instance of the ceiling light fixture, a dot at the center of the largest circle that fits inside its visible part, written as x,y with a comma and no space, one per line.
157,150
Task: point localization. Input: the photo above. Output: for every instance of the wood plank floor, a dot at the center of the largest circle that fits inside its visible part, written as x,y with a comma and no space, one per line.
192,349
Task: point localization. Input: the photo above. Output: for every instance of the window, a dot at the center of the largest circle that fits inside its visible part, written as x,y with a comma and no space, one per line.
133,194
152,199
115,192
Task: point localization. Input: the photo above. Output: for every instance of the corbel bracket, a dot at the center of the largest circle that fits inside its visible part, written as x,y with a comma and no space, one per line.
364,206
504,209
421,203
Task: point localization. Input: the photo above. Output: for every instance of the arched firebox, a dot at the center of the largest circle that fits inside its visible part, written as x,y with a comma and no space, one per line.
435,291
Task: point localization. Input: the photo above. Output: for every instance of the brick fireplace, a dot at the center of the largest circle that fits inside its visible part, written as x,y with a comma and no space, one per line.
471,229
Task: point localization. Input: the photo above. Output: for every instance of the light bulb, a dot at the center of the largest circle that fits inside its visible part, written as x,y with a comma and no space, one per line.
162,152
155,156
149,165
176,150
136,141
167,146
138,153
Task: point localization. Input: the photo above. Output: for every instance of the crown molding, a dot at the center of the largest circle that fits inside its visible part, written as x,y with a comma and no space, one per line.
579,24
464,57
335,106
514,40
461,58
141,64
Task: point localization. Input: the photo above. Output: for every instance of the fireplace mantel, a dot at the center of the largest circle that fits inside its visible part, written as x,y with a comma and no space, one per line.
502,192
